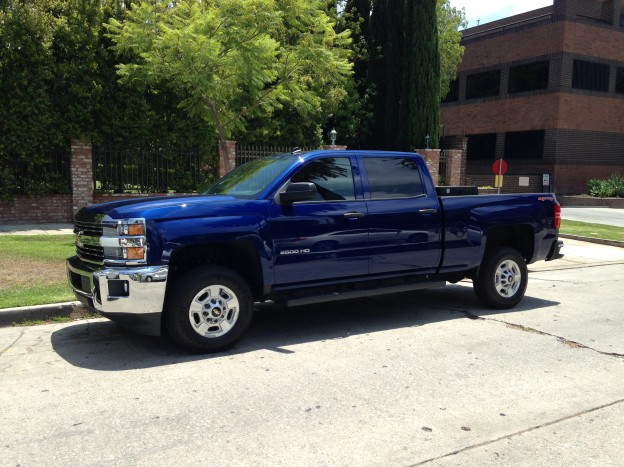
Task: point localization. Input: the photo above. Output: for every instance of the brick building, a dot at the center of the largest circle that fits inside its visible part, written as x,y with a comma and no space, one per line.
545,91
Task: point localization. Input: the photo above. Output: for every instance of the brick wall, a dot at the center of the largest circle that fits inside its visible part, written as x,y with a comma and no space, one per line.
511,46
572,179
455,167
432,159
48,209
81,174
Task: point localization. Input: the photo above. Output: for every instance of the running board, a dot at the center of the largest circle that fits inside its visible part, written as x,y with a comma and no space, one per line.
362,293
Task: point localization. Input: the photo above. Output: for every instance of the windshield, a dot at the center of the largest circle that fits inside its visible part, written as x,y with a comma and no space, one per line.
248,180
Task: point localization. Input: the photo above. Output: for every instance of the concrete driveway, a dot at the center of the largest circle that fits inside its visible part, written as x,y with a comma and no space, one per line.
605,216
428,378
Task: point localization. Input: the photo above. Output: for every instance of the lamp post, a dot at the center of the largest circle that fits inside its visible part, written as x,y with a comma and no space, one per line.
427,138
332,136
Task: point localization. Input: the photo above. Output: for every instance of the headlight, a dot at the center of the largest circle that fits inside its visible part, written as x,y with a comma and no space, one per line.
124,242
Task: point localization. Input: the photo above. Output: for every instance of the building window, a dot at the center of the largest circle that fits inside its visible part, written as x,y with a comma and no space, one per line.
530,77
524,145
622,20
453,94
590,76
486,84
619,80
481,147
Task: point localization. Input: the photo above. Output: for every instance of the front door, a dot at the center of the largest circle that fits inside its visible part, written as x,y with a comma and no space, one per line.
326,238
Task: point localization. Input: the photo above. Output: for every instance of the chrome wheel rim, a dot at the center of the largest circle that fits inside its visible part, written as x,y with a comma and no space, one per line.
214,311
508,278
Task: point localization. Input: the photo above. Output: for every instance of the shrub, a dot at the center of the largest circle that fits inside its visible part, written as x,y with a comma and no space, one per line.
612,187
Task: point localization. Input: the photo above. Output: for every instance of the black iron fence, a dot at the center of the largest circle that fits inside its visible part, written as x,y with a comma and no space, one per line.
50,174
151,170
247,153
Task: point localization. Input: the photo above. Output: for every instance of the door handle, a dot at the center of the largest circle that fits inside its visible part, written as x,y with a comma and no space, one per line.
353,215
428,211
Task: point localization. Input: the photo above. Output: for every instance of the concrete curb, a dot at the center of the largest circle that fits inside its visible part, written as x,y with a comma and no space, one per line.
8,316
600,241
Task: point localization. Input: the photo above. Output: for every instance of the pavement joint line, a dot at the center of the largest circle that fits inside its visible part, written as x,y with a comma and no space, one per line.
518,433
563,340
576,266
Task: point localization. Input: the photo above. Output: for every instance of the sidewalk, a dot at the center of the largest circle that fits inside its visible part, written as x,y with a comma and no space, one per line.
37,229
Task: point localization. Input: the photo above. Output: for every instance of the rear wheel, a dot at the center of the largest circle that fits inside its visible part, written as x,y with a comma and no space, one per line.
502,279
208,309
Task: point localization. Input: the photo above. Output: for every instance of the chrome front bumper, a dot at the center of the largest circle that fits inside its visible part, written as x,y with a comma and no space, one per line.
133,297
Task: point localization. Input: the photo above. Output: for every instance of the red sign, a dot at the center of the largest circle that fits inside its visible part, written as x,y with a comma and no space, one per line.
499,169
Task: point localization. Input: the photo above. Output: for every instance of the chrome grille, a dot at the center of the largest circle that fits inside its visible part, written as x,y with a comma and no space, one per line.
92,229
90,252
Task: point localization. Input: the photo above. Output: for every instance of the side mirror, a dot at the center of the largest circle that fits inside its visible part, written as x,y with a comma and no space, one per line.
301,191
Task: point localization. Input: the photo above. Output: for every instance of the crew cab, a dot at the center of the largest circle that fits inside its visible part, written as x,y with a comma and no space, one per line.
296,229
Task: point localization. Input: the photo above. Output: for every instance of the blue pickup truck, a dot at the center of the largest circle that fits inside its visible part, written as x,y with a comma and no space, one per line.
296,229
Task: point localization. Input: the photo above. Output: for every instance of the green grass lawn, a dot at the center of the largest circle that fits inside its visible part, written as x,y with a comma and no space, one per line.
32,269
585,229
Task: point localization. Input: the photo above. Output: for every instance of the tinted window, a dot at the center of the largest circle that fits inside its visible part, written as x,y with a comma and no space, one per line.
590,76
524,145
393,177
529,77
481,147
619,81
332,176
485,84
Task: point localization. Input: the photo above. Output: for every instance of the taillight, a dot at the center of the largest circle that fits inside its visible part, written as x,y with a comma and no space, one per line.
557,215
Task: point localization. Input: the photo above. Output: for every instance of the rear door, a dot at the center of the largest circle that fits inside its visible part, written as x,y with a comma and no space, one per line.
404,220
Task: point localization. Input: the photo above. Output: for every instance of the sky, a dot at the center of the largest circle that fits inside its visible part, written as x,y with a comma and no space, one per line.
487,11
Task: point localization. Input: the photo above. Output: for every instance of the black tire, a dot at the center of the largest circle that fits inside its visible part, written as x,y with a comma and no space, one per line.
208,309
502,278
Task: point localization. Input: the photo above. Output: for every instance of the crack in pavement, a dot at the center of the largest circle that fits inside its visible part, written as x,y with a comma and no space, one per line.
517,433
519,327
13,343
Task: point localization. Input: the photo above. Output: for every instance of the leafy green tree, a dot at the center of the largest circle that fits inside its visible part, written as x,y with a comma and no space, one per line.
230,60
450,21
28,118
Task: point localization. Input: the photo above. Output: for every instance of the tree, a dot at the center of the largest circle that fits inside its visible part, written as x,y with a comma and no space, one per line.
390,56
450,20
420,96
229,60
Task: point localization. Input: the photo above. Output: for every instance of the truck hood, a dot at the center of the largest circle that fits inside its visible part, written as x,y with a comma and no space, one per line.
169,207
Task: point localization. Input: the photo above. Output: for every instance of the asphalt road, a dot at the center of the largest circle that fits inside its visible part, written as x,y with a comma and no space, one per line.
427,378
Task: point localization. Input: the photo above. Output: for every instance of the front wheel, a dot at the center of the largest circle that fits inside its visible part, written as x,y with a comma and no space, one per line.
209,309
502,279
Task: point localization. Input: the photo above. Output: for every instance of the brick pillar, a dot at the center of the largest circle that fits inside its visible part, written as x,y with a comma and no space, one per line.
81,175
231,147
455,169
432,158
